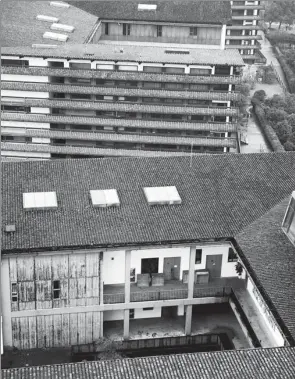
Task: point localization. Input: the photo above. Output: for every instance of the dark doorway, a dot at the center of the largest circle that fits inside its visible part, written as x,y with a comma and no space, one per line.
169,312
150,266
171,268
213,265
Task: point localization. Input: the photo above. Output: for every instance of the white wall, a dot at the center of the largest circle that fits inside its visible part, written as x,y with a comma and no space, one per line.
40,62
38,95
114,269
40,140
5,303
20,154
140,313
25,124
40,110
273,330
24,78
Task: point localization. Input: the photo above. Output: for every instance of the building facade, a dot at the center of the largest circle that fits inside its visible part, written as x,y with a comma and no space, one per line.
243,33
111,101
79,257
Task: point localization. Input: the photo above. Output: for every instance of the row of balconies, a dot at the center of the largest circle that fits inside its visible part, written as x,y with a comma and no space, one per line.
121,75
99,122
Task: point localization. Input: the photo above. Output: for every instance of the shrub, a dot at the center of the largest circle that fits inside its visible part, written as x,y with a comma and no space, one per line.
283,130
275,115
289,146
259,95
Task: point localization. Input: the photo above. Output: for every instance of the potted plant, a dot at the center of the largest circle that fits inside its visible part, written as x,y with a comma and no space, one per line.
239,269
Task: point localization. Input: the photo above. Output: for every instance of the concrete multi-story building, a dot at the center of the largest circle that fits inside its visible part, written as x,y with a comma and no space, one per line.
106,100
149,80
96,247
243,33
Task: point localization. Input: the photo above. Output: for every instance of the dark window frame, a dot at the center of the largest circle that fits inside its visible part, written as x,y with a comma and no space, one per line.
199,253
232,256
56,289
193,31
159,30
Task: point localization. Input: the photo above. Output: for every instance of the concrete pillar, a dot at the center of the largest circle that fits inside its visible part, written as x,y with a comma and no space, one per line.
126,324
223,35
231,70
188,320
127,275
213,70
191,272
101,325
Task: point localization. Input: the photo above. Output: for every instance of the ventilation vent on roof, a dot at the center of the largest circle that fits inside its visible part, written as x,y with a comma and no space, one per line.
59,4
10,228
39,200
162,195
288,225
44,46
147,7
62,27
47,18
55,36
105,198
176,52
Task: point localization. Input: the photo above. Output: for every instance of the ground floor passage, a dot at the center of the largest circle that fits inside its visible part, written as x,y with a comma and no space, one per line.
209,318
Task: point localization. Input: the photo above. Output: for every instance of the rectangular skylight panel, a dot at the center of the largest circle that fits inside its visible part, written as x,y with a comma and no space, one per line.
55,36
62,27
173,195
42,17
98,198
112,198
39,200
162,195
147,7
59,4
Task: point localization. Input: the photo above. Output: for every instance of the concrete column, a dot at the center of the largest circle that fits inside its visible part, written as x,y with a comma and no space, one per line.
127,293
191,273
223,35
101,325
213,70
231,70
126,324
188,320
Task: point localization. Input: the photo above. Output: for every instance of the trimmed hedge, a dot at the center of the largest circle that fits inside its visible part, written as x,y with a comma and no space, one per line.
289,73
270,134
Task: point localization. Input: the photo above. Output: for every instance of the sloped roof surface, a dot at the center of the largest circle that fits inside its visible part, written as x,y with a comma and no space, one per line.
216,12
276,363
221,195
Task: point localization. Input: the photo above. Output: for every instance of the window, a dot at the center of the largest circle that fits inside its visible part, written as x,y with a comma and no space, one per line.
14,292
193,31
132,275
148,309
126,29
56,289
232,256
14,62
159,30
131,313
106,28
198,256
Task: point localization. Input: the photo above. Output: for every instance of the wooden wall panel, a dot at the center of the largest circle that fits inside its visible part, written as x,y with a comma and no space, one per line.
48,330
44,294
73,328
65,329
92,264
43,267
24,333
25,268
96,326
15,332
57,330
81,330
13,269
60,267
89,327
77,264
32,332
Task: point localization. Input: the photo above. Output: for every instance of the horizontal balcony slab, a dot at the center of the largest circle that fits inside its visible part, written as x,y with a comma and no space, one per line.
90,151
246,18
119,122
243,27
172,290
242,7
243,38
118,91
127,138
121,107
120,75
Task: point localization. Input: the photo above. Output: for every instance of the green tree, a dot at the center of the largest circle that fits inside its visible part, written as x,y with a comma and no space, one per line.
275,115
283,130
281,11
289,146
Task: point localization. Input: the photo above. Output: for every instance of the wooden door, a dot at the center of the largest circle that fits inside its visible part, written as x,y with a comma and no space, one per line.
171,268
213,265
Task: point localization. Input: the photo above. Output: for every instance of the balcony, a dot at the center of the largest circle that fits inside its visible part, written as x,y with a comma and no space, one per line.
246,18
176,40
172,290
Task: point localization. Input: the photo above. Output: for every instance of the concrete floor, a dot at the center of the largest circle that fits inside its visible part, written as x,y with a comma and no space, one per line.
215,318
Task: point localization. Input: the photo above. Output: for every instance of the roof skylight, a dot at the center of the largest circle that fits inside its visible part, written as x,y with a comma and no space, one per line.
162,195
105,198
62,27
39,200
59,4
147,7
288,225
41,17
55,36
